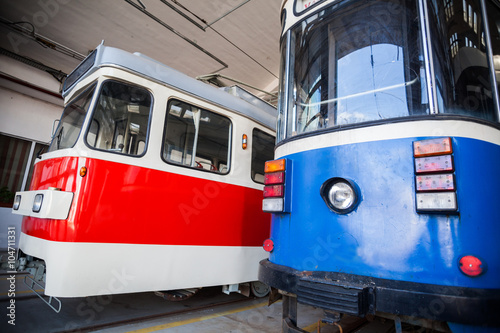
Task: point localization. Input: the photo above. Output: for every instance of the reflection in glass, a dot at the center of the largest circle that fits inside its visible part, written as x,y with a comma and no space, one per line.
121,119
196,138
356,64
71,121
463,78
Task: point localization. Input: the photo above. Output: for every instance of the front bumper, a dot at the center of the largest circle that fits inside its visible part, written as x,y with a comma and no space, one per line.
361,295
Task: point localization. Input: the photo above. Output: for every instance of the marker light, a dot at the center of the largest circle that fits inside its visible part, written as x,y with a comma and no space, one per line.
268,245
244,141
274,178
272,205
273,191
435,182
83,171
471,266
37,203
434,172
432,147
340,195
17,202
439,201
433,164
275,165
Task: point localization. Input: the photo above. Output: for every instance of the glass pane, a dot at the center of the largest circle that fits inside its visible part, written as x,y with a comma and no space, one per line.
14,154
463,80
262,151
179,134
39,149
196,138
357,63
493,10
121,119
72,121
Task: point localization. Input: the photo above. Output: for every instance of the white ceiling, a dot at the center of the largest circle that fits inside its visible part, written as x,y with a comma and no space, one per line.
235,38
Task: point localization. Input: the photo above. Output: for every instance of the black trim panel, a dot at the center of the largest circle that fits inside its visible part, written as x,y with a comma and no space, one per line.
368,295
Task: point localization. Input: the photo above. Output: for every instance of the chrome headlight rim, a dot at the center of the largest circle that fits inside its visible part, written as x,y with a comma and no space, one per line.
37,203
340,183
17,202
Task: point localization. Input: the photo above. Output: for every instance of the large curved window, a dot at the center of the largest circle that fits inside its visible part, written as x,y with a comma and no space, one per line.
356,62
363,61
71,122
121,119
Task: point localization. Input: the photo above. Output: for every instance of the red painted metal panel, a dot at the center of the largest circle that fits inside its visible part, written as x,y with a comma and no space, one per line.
119,203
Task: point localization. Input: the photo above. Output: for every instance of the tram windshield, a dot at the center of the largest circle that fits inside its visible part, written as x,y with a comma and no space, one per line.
119,123
120,120
363,61
71,121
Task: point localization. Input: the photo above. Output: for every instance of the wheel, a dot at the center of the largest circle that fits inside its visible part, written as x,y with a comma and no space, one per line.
177,295
259,289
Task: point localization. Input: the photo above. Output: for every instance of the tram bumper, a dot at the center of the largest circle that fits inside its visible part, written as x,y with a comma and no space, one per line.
362,295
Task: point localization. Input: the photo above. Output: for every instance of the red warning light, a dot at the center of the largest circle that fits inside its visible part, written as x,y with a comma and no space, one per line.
471,266
268,245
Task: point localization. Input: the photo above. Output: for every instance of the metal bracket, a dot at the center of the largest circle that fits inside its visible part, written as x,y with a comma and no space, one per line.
31,285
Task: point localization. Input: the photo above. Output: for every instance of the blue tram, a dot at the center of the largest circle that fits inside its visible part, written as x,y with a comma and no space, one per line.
386,178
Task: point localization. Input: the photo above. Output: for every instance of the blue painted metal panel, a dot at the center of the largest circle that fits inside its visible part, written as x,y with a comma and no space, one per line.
384,236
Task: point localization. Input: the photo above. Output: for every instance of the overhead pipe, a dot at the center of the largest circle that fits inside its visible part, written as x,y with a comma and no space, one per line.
150,15
184,15
209,25
42,40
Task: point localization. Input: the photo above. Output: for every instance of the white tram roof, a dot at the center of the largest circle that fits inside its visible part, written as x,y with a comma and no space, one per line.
143,65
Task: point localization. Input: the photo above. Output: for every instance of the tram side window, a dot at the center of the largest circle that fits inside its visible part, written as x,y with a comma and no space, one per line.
196,138
262,151
493,10
121,119
463,77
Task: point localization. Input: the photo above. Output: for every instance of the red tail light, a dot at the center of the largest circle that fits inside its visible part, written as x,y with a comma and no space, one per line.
268,245
434,176
471,266
275,185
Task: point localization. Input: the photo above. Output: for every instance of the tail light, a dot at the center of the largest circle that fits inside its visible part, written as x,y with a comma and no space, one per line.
434,177
275,200
268,245
471,266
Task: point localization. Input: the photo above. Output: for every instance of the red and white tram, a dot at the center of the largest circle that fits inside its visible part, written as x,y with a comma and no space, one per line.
153,181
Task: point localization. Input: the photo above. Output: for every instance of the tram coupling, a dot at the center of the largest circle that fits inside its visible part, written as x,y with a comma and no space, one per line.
35,278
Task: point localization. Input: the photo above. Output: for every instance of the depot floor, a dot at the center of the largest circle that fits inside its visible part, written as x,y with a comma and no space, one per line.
208,311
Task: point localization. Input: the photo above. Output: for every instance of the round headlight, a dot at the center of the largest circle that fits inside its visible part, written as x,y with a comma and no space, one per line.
340,195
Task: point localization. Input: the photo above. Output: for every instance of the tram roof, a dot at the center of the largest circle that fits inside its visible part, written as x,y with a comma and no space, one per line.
143,65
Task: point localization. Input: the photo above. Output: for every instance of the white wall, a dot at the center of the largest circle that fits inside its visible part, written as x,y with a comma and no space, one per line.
26,113
27,117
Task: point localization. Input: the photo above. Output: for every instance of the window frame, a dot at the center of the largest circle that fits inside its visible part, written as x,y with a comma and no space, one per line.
252,174
94,110
164,153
